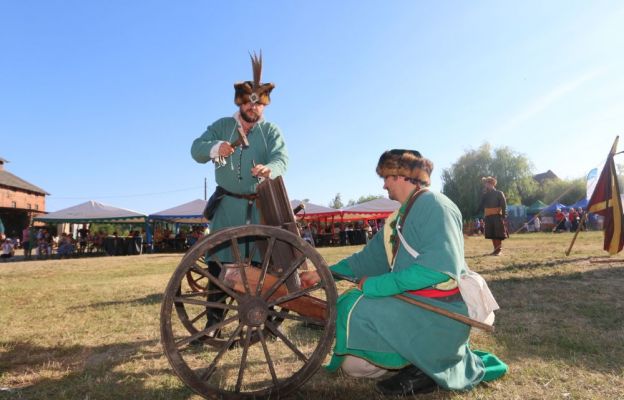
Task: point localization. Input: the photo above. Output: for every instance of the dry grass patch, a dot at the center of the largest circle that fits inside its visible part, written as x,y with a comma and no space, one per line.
89,328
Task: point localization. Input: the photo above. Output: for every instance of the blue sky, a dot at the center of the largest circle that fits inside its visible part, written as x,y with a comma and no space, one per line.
101,100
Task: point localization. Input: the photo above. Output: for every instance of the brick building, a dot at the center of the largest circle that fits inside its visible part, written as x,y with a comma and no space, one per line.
20,201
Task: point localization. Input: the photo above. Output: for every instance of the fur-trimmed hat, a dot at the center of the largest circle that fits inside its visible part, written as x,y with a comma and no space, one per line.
489,179
253,91
408,163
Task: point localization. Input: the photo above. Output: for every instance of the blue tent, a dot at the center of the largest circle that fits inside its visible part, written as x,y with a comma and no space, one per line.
553,207
580,204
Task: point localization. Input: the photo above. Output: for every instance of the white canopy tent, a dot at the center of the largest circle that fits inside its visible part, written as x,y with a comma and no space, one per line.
93,211
313,211
187,213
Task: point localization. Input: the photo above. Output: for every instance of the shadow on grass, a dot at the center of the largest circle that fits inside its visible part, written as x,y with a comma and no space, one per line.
154,298
95,372
575,317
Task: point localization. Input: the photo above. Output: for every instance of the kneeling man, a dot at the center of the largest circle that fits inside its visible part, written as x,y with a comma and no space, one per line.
419,253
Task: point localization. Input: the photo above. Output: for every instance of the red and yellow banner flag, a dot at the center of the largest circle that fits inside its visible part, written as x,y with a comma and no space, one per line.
606,201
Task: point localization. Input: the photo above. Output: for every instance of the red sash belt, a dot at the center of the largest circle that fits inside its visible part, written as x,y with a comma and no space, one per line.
434,293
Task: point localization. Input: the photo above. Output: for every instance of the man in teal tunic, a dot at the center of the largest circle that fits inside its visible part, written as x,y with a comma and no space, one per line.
420,253
238,166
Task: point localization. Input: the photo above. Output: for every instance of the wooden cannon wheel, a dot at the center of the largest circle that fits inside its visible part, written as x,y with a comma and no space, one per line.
262,346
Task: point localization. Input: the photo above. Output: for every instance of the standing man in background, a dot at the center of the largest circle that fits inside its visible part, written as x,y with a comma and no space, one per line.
494,208
244,148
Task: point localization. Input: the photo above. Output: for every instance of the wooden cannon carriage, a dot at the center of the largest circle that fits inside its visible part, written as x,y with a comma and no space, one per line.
273,335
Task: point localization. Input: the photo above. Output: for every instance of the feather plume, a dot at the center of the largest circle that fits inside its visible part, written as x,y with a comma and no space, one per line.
256,64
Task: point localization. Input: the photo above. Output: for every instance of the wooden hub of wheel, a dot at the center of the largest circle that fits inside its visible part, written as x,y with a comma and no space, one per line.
253,311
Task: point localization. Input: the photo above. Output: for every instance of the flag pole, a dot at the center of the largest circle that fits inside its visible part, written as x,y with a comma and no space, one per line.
578,229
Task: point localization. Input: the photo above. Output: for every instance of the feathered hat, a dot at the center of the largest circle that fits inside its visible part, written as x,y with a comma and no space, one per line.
489,179
408,163
253,91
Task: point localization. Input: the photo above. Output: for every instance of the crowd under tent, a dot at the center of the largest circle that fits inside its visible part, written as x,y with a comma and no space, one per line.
94,212
313,212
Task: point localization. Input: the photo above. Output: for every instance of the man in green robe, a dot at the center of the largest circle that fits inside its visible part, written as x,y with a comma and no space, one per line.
239,168
244,148
419,253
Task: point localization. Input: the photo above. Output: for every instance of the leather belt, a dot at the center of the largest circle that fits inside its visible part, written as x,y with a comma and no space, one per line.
493,211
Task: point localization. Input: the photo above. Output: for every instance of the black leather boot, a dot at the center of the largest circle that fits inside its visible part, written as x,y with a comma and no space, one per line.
408,381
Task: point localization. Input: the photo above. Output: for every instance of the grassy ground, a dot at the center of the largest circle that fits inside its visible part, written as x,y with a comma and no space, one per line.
88,328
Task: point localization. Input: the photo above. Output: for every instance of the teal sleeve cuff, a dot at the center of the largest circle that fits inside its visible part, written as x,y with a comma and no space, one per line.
342,268
414,277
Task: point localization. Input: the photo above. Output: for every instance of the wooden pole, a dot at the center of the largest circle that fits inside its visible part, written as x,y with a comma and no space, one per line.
578,229
438,310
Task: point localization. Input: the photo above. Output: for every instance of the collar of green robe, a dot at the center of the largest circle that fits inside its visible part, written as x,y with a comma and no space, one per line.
396,222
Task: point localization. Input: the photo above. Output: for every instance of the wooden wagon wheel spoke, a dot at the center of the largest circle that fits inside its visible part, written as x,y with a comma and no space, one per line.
243,362
239,262
265,265
202,293
293,267
215,281
213,366
294,295
214,258
286,341
205,303
199,316
185,341
267,356
297,317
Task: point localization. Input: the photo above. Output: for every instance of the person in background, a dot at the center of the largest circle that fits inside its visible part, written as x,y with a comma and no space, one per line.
26,242
8,251
306,234
494,207
537,223
560,221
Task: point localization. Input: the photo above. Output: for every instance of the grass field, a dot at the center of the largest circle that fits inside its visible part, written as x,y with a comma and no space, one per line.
89,328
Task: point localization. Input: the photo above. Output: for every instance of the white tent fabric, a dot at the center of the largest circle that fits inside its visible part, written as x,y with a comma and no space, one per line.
314,211
92,211
187,213
372,209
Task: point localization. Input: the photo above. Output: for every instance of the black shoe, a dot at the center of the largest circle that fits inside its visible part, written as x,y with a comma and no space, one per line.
410,380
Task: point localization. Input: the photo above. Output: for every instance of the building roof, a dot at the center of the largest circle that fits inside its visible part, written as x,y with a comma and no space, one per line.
544,176
10,180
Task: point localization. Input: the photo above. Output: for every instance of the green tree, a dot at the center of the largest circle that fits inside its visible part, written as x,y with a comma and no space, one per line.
336,202
462,181
563,191
364,199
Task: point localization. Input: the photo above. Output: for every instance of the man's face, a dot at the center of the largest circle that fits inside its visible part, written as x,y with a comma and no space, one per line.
391,185
251,112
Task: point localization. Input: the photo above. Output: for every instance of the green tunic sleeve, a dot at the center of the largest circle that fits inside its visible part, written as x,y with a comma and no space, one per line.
411,278
342,268
371,260
218,131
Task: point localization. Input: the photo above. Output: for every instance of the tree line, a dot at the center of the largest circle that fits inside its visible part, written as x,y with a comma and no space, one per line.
514,173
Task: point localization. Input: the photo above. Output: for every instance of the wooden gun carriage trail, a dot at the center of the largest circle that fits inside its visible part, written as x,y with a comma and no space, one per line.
273,334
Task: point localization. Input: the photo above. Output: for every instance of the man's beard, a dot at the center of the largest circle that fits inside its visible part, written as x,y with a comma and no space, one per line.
251,117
